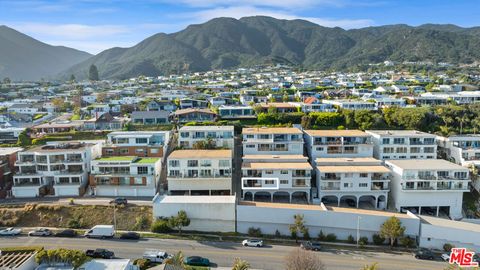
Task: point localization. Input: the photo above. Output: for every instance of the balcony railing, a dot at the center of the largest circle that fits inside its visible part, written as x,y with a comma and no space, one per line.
330,178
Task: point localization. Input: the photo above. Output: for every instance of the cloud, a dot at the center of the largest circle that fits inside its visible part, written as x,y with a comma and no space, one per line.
71,31
242,11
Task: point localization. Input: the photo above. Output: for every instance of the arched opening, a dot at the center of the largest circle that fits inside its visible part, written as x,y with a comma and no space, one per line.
281,197
262,196
300,197
367,202
382,202
348,201
248,196
330,200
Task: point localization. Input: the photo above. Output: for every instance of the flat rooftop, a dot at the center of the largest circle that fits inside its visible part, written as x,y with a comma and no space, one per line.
9,150
348,160
206,128
194,199
199,154
412,133
271,130
425,164
352,169
135,133
450,223
274,165
119,158
337,133
275,157
60,147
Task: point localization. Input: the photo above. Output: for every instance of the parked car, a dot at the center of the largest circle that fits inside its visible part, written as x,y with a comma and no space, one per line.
252,243
311,246
156,256
446,257
10,232
40,232
66,233
130,236
100,231
100,253
424,254
197,261
119,201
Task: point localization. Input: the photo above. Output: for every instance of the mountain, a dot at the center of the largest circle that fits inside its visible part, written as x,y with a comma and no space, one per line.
230,43
25,58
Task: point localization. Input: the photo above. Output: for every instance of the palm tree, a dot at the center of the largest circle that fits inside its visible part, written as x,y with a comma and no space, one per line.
239,264
177,260
370,267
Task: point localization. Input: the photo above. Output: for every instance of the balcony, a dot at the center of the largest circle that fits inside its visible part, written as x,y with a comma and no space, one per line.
375,187
330,178
330,187
73,161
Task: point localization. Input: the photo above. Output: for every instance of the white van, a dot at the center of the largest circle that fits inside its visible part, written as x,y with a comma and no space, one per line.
156,255
101,231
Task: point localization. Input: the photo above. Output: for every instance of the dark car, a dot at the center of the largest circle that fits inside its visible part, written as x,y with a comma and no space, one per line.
311,246
130,235
100,253
197,261
66,233
119,201
424,254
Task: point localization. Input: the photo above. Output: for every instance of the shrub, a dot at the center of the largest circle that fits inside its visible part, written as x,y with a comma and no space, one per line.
278,234
321,236
141,223
74,223
331,237
378,239
306,235
160,226
143,264
448,247
362,241
407,242
254,232
350,239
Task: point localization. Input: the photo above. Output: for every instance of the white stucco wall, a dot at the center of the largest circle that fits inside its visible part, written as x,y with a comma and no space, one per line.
435,236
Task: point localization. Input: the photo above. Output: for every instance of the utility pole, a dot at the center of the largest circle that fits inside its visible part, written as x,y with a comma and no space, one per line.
358,229
114,218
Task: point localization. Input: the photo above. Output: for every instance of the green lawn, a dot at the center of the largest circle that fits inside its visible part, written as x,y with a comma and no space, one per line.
125,158
147,160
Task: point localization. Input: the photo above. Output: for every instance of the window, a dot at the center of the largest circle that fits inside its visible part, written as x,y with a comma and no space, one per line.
460,175
347,185
138,180
250,146
284,182
249,136
42,168
141,140
385,140
363,185
192,163
224,163
75,179
363,175
174,163
409,185
399,141
348,175
269,172
139,150
263,136
174,173
109,151
429,149
205,163
269,182
142,170
63,180
211,134
401,149
284,172
123,151
154,151
184,134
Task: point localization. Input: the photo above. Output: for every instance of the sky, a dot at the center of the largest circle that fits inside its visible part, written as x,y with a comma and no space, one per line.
96,25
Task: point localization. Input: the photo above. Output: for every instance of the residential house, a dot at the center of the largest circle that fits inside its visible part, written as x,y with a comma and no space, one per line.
188,103
272,141
279,107
105,122
58,126
351,104
221,136
236,112
59,169
194,115
200,172
150,117
23,108
338,143
136,143
428,186
461,149
403,144
9,134
161,105
8,156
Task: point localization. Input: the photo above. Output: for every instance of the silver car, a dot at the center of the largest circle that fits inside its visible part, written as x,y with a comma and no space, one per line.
40,232
252,243
10,232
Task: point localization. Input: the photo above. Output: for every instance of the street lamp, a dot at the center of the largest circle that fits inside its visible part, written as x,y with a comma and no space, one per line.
358,229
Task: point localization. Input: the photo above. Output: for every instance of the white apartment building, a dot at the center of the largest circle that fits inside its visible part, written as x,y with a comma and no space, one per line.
125,176
137,143
272,141
428,186
338,143
222,136
461,149
200,172
351,104
280,178
59,169
355,182
403,144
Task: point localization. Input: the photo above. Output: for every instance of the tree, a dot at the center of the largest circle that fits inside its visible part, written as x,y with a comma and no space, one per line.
298,226
370,267
93,73
58,103
392,229
74,257
24,139
239,264
177,260
179,221
300,259
101,97
72,78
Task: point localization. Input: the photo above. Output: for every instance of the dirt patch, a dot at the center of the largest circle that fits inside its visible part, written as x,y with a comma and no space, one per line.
76,216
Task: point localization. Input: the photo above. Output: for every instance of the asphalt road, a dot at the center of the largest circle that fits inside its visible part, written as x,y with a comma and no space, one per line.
222,253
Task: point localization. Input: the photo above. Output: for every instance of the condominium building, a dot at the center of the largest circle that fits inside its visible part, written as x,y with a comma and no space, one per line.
200,172
461,149
8,156
428,186
136,143
338,143
125,176
348,104
272,141
221,136
403,144
59,169
280,178
357,182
